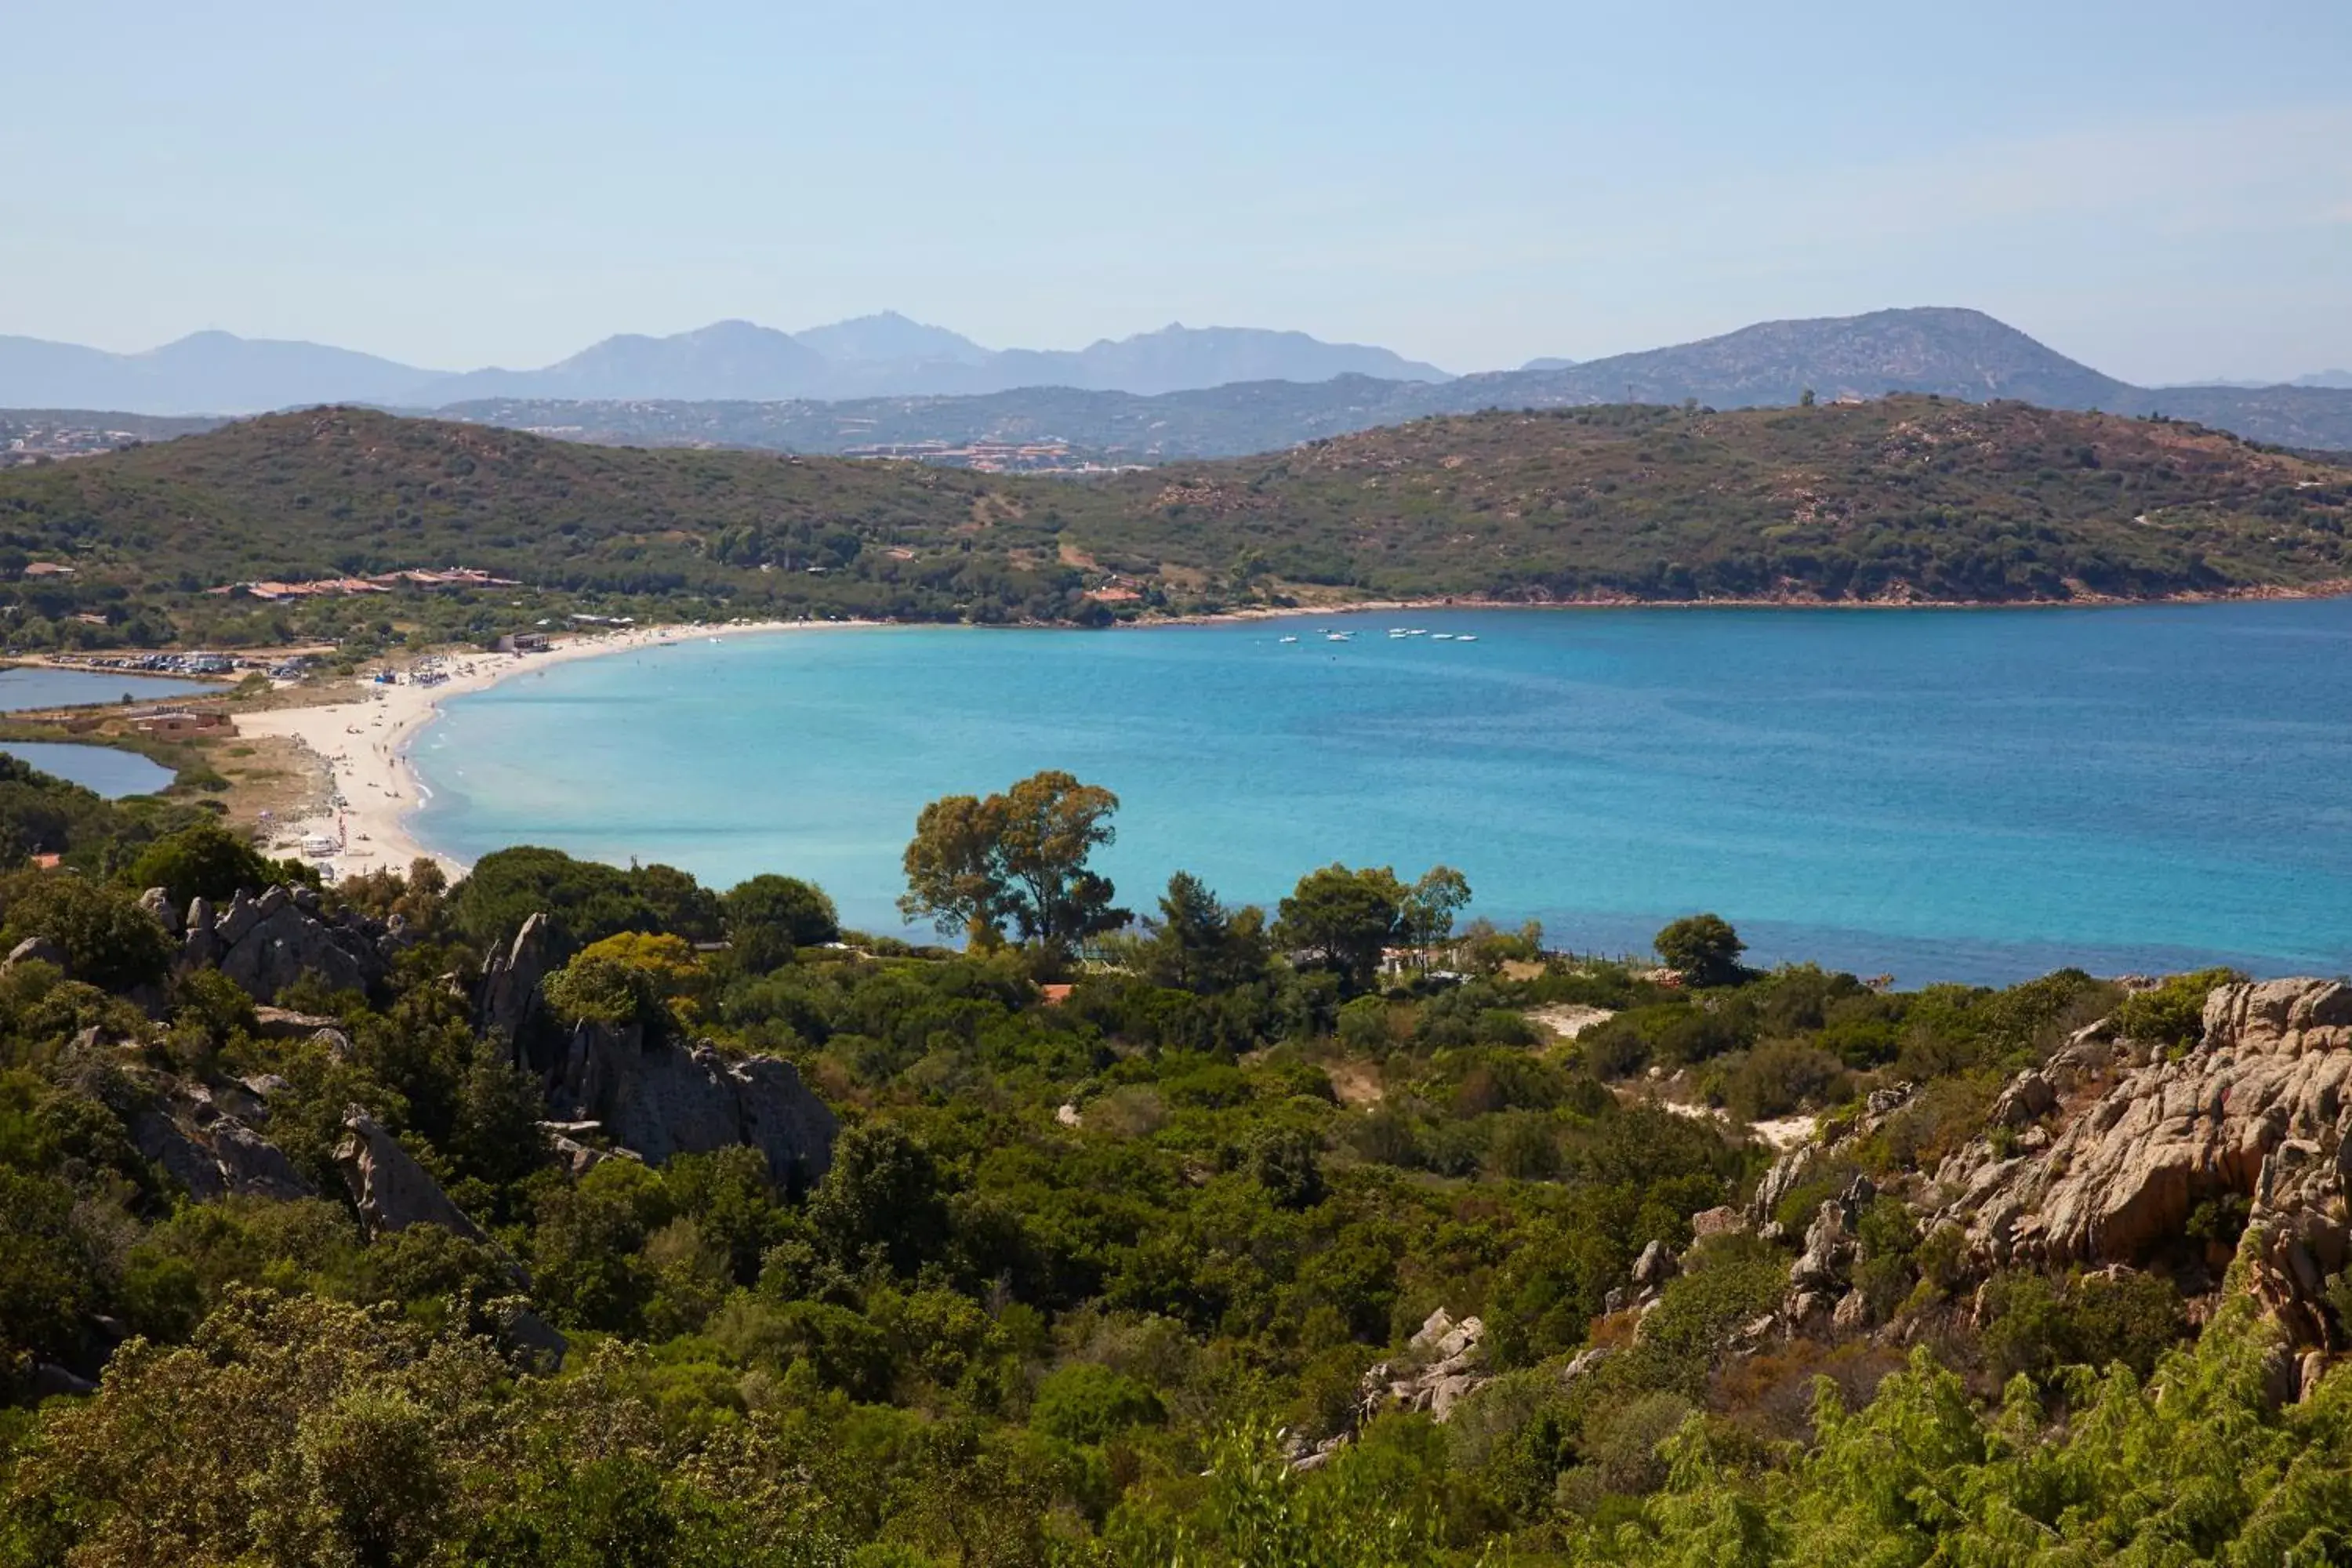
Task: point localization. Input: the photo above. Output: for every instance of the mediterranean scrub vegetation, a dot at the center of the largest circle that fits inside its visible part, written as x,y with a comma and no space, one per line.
1904,498
1341,1234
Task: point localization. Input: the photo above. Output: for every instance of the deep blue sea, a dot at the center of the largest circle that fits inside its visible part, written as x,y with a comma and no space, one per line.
1976,795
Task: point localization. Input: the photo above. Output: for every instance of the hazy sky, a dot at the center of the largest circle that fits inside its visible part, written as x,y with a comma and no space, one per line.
2162,189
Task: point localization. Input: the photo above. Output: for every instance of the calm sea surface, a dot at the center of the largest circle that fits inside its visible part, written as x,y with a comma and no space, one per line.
1973,795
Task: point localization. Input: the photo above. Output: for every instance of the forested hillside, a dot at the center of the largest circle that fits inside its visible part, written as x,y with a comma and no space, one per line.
1900,498
577,1216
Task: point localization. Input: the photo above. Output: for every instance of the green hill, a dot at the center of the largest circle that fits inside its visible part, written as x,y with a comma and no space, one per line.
1901,499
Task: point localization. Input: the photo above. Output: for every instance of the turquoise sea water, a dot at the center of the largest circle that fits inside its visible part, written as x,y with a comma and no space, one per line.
1973,795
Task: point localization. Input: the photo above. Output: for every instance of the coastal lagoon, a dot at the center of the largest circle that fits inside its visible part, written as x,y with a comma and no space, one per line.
1975,796
26,687
108,770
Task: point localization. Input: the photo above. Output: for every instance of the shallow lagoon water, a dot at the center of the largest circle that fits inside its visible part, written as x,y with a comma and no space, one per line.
1974,795
27,687
104,769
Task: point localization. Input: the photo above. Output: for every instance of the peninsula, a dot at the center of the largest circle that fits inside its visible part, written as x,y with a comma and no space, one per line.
379,533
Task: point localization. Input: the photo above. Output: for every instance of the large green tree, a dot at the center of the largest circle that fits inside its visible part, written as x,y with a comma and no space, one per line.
768,916
1198,944
1702,949
1341,920
206,860
1017,860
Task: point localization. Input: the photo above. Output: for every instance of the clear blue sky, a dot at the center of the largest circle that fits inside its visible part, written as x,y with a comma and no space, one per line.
2163,189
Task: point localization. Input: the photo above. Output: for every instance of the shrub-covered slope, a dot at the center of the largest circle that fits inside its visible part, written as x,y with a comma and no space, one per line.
1905,498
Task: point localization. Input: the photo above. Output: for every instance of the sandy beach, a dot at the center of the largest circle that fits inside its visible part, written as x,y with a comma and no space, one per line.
364,744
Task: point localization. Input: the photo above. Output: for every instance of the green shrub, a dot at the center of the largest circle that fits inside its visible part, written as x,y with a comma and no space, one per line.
1287,1162
1088,1403
1780,1077
2034,1324
108,940
207,860
2174,1012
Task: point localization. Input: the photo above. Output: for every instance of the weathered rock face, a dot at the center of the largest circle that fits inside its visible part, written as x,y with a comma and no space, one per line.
1787,1172
211,1152
668,1099
36,950
392,1190
580,1158
2260,1111
157,902
1656,1265
1447,1364
508,999
265,944
1452,1364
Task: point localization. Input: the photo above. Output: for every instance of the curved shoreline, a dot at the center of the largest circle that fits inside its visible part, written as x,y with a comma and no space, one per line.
373,787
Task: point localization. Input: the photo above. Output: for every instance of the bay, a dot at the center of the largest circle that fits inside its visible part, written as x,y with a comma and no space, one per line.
1974,795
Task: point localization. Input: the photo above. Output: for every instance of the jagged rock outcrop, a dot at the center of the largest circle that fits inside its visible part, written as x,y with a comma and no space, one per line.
1817,1280
1656,1265
211,1152
265,944
157,902
391,1189
280,1024
1790,1170
509,998
1446,1363
580,1158
1449,1364
663,1098
2258,1113
1653,1272
2026,1099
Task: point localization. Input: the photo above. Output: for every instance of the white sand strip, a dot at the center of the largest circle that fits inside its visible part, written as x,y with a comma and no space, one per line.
364,744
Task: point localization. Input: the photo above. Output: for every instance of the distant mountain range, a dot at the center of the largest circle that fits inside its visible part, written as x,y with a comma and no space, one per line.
886,382
206,372
1951,352
218,372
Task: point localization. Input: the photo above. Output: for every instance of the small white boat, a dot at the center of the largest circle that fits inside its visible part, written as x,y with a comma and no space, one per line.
1441,636
1466,636
1287,640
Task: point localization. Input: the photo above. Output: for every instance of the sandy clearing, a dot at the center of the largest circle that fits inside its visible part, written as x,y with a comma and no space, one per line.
1568,1020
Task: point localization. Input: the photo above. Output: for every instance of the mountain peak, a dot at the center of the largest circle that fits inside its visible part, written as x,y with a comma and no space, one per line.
887,335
